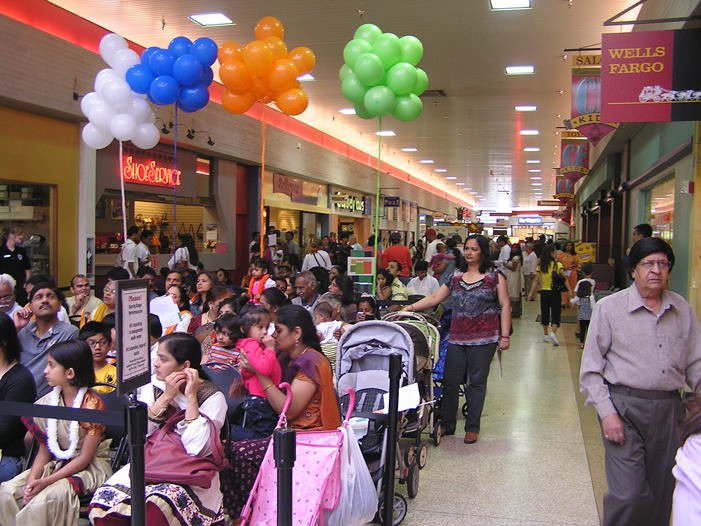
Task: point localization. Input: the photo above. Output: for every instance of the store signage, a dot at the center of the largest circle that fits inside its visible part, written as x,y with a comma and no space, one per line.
586,105
392,201
339,198
548,202
294,188
149,172
530,220
350,203
560,214
564,189
651,76
574,159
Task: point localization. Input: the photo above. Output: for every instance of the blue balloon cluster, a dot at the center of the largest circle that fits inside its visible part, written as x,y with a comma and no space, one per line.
180,74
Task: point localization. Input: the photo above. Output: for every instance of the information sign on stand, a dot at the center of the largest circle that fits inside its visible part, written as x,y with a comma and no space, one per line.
132,327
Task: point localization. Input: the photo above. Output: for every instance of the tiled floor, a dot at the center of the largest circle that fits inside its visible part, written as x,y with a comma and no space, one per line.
539,459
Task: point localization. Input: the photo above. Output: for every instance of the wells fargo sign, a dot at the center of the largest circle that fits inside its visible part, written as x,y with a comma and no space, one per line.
140,169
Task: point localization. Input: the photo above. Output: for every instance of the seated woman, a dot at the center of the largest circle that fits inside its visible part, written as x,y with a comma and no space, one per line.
314,404
109,294
342,288
179,295
178,384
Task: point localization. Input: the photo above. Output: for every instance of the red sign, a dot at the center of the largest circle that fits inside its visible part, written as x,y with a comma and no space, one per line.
564,189
651,76
149,172
586,105
574,159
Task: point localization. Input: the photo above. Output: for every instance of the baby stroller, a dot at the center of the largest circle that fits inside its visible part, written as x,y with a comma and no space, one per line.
423,330
362,363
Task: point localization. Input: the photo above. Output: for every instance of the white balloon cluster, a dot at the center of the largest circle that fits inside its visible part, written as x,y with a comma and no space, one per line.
113,109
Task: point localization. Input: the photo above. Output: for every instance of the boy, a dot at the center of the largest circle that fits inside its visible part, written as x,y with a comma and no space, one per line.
587,271
98,337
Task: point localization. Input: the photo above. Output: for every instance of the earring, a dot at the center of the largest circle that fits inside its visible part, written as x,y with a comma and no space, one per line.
296,342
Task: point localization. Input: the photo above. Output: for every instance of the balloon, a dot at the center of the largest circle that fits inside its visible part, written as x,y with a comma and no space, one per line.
146,136
109,45
292,102
368,32
283,75
276,46
161,62
237,103
412,50
187,70
344,72
361,112
164,90
140,110
353,89
88,102
401,78
101,115
194,98
205,49
123,126
95,138
235,76
354,49
269,26
261,89
380,101
257,57
229,51
369,69
146,55
123,60
421,82
116,93
408,108
139,78
207,76
179,46
304,59
103,77
388,48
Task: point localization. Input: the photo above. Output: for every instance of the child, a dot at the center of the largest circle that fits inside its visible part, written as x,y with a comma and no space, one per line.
436,260
224,349
587,271
98,337
325,324
585,300
260,279
259,418
71,454
367,309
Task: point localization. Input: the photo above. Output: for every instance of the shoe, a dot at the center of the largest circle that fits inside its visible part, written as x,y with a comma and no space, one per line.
546,338
445,433
470,437
554,339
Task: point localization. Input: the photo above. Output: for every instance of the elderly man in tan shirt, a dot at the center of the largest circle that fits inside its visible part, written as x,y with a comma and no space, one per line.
643,345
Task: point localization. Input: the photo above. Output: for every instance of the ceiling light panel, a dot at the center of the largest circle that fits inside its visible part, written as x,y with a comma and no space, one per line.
520,70
212,20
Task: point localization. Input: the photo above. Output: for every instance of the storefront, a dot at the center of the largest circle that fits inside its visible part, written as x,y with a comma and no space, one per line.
351,213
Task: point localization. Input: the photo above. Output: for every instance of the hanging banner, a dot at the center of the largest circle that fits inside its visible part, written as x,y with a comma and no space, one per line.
651,76
564,189
586,105
574,156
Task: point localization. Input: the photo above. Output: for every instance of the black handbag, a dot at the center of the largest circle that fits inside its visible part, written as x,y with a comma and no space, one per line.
559,283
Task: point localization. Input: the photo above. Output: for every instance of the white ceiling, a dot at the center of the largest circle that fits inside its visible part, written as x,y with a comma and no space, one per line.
473,131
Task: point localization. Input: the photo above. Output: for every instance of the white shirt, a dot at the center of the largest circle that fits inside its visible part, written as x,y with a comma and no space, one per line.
143,255
504,255
430,251
320,258
129,256
181,254
529,263
425,286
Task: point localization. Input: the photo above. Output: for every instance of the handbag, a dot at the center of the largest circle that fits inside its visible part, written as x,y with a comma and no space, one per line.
558,281
166,459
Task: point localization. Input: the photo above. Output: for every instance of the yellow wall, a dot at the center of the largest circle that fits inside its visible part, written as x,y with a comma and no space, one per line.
42,150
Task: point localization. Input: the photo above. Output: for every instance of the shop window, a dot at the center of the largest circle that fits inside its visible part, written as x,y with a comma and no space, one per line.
202,176
660,209
30,207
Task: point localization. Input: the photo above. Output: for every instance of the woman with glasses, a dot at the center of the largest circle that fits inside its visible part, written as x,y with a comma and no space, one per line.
178,293
109,294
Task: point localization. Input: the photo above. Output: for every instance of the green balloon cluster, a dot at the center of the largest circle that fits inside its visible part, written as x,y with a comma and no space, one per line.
379,75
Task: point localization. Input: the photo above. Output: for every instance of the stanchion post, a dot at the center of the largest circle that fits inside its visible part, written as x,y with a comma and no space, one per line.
136,427
395,374
284,451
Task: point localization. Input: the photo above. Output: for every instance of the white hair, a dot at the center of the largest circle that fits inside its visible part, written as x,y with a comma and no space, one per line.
6,278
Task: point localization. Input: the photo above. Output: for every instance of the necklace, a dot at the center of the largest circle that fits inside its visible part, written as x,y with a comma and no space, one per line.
73,428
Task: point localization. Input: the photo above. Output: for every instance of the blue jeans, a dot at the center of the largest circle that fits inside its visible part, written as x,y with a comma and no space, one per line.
10,467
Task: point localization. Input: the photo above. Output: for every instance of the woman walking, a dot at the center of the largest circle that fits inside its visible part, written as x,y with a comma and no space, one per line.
549,299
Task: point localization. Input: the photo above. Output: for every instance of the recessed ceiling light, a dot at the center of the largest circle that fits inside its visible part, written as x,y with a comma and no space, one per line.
426,161
212,20
531,149
536,184
306,78
410,149
460,184
474,193
441,171
526,108
347,111
385,133
535,170
533,161
536,178
529,132
453,178
520,70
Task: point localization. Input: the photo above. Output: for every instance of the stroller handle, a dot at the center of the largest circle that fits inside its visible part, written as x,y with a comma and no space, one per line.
282,421
351,404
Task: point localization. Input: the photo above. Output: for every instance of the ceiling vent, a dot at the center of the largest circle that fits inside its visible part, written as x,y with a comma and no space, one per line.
432,93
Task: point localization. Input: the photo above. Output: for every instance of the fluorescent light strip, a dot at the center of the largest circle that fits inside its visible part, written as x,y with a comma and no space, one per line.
212,20
529,132
535,170
536,178
453,178
441,171
306,78
385,133
347,111
520,70
531,149
426,161
410,149
533,161
526,108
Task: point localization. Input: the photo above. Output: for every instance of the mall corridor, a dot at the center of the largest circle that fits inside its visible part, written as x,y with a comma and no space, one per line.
539,459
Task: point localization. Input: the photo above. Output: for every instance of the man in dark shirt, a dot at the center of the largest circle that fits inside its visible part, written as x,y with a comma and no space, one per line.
539,245
15,262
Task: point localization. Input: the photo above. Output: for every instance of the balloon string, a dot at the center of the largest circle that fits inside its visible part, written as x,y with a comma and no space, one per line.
377,203
263,233
121,187
175,186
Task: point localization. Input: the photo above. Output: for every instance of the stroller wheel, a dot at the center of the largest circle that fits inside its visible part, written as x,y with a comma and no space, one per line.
464,409
423,455
410,455
398,513
436,432
412,482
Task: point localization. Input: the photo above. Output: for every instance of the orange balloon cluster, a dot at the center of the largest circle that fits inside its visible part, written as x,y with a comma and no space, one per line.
264,71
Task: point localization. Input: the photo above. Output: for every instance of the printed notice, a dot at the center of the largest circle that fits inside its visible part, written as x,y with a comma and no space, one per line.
133,346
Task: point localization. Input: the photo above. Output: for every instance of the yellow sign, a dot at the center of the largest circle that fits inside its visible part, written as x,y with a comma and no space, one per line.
586,252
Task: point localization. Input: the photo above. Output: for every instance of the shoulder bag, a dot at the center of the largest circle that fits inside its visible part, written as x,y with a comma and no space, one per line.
558,283
166,459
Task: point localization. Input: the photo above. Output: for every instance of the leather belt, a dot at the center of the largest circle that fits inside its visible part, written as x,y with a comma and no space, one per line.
642,393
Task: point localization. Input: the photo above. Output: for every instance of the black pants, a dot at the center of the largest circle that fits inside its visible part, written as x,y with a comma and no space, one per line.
472,361
550,304
583,328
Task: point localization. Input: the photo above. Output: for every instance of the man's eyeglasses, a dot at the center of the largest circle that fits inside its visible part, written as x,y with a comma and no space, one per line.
662,264
101,343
